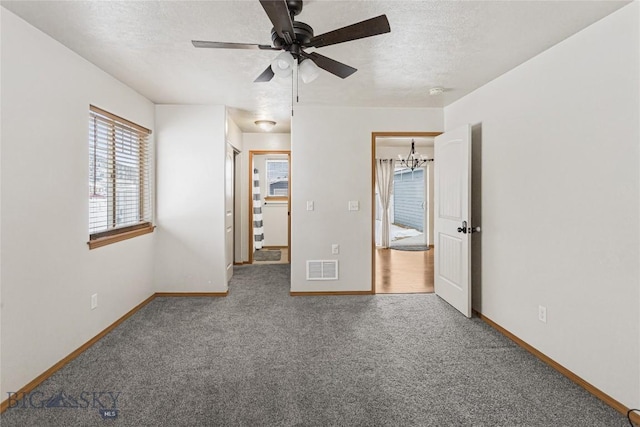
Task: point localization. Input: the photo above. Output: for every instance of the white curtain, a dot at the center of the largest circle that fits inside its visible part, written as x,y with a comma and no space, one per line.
384,180
258,230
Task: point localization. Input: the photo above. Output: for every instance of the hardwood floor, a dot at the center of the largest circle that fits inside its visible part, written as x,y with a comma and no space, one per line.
404,272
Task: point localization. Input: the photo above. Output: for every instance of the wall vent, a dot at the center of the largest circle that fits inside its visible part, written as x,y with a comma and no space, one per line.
322,270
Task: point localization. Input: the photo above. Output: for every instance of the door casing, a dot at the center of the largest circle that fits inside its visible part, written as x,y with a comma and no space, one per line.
250,205
374,136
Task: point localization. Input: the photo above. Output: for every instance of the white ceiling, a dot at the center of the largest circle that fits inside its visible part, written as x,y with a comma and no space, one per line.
458,45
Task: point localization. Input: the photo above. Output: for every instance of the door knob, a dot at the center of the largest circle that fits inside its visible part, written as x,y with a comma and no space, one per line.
463,229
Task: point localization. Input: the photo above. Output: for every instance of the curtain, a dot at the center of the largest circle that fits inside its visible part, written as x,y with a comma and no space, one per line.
258,230
384,180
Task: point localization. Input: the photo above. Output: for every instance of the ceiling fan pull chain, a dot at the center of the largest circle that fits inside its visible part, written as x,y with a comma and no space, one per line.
291,94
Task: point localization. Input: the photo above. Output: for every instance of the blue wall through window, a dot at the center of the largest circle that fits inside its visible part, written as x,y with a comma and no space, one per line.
408,195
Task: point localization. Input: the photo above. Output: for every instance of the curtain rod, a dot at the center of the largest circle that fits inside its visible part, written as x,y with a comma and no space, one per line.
388,160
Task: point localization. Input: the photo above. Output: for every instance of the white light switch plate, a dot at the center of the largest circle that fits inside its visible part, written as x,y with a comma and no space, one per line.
354,205
309,205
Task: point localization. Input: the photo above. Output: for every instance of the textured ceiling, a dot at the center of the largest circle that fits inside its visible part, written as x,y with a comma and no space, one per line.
458,45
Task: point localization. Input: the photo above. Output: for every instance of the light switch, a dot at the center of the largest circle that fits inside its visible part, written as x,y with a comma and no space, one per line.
309,205
354,205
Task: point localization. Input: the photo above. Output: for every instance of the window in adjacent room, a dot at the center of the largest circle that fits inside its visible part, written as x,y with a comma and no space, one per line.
119,170
277,178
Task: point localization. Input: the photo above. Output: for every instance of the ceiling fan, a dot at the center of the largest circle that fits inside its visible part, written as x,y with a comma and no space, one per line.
293,36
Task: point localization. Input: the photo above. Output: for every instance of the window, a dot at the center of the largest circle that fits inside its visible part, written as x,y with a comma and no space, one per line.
277,177
119,193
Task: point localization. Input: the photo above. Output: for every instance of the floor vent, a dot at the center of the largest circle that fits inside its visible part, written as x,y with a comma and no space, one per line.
322,270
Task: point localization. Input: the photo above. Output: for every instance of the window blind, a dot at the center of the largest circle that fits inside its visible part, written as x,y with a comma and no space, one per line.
277,177
119,169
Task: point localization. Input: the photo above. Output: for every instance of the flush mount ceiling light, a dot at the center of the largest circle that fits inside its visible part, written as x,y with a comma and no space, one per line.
265,125
282,66
436,91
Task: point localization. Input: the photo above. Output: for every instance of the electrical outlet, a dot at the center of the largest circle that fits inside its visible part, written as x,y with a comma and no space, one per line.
94,301
335,249
542,313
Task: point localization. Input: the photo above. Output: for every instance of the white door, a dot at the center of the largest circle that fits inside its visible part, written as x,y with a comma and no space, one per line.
452,222
228,210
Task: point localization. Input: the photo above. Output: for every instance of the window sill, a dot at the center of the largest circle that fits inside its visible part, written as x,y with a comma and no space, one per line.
276,198
107,240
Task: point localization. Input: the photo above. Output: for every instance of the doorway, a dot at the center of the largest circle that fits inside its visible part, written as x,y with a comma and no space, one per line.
269,206
406,264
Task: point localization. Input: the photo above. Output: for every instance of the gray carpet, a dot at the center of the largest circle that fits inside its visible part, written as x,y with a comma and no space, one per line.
267,255
260,357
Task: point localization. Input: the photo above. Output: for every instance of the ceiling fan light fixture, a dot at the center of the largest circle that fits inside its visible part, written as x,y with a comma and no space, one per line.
282,65
265,125
309,71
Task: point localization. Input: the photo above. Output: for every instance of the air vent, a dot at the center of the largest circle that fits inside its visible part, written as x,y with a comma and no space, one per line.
322,270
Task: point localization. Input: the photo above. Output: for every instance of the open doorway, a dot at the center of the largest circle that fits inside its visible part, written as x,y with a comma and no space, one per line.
269,207
403,261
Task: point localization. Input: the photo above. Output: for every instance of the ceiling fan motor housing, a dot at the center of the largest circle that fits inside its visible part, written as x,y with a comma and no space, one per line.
303,32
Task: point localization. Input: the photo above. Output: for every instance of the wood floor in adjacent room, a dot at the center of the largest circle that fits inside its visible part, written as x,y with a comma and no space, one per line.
404,272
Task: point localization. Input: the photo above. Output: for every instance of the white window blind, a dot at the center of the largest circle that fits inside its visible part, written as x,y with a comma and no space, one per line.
119,189
277,177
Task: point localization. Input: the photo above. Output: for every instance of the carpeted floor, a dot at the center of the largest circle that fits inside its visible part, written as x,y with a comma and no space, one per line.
260,357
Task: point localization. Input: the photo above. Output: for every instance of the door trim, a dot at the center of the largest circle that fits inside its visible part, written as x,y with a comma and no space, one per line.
250,205
375,135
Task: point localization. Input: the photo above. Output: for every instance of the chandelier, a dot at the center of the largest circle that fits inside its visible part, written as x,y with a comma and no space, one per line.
413,160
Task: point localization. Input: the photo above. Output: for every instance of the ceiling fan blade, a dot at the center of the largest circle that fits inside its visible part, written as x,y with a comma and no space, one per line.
266,75
278,13
334,67
224,45
360,30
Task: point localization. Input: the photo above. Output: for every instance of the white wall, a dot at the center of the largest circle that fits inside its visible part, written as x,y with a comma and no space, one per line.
560,194
275,224
255,141
190,234
48,272
331,165
233,134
